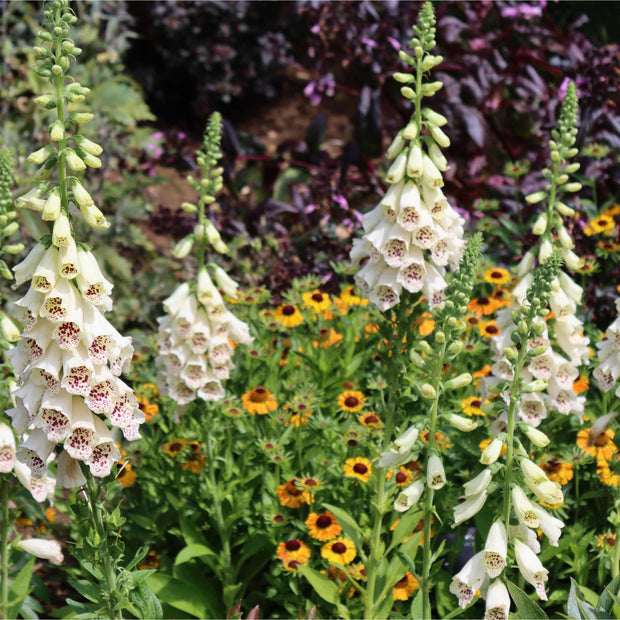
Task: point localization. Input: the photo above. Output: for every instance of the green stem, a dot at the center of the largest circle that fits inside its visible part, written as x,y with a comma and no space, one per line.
104,555
615,558
59,81
375,540
4,549
510,431
430,493
227,574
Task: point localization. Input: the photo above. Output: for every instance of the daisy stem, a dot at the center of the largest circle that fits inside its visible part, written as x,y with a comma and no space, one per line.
430,493
111,598
615,558
4,549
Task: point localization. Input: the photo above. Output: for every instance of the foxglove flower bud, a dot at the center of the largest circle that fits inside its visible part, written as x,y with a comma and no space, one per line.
43,548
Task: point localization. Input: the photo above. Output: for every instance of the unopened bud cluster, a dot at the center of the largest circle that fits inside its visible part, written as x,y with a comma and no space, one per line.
413,233
8,225
549,225
68,151
197,334
485,570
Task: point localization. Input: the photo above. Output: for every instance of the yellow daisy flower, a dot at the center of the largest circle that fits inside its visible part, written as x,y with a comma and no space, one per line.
471,406
290,495
497,275
606,540
340,551
600,224
403,477
293,549
259,401
317,301
370,419
288,315
323,526
602,447
351,400
358,467
441,441
557,470
489,329
405,587
174,446
482,306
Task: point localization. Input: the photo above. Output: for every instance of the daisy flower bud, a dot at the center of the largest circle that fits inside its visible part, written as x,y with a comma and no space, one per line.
531,568
497,601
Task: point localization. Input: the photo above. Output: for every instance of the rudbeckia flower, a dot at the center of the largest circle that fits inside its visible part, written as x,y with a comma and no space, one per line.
351,401
340,551
405,587
323,526
259,401
358,467
288,315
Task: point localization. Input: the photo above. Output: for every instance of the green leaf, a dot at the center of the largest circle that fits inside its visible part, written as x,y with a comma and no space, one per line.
417,606
325,588
405,526
194,551
348,524
572,606
87,589
145,600
181,595
20,588
609,596
120,101
526,607
289,177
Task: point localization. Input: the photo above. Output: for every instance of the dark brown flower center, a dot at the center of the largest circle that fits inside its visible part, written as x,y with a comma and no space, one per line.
311,482
324,521
288,310
351,401
360,468
491,329
176,447
352,443
318,297
401,477
339,547
497,274
278,518
483,301
259,395
291,489
292,545
475,403
371,419
402,582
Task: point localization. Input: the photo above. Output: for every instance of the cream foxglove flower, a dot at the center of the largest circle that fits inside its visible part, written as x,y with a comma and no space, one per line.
194,349
497,601
491,452
531,568
495,550
608,370
469,580
526,511
43,548
550,526
471,506
7,449
68,362
409,496
435,476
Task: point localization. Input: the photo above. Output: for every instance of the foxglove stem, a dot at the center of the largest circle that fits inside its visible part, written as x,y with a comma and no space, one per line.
4,548
390,409
228,577
60,111
111,598
430,492
510,432
615,558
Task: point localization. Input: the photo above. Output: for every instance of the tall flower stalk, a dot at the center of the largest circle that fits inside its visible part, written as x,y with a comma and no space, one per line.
69,358
410,238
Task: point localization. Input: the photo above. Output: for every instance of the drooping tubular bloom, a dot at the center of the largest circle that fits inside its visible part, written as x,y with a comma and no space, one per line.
607,372
68,362
196,339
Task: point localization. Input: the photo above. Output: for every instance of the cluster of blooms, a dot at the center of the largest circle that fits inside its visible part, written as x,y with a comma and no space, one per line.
68,362
69,357
483,572
550,366
607,372
195,339
413,233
